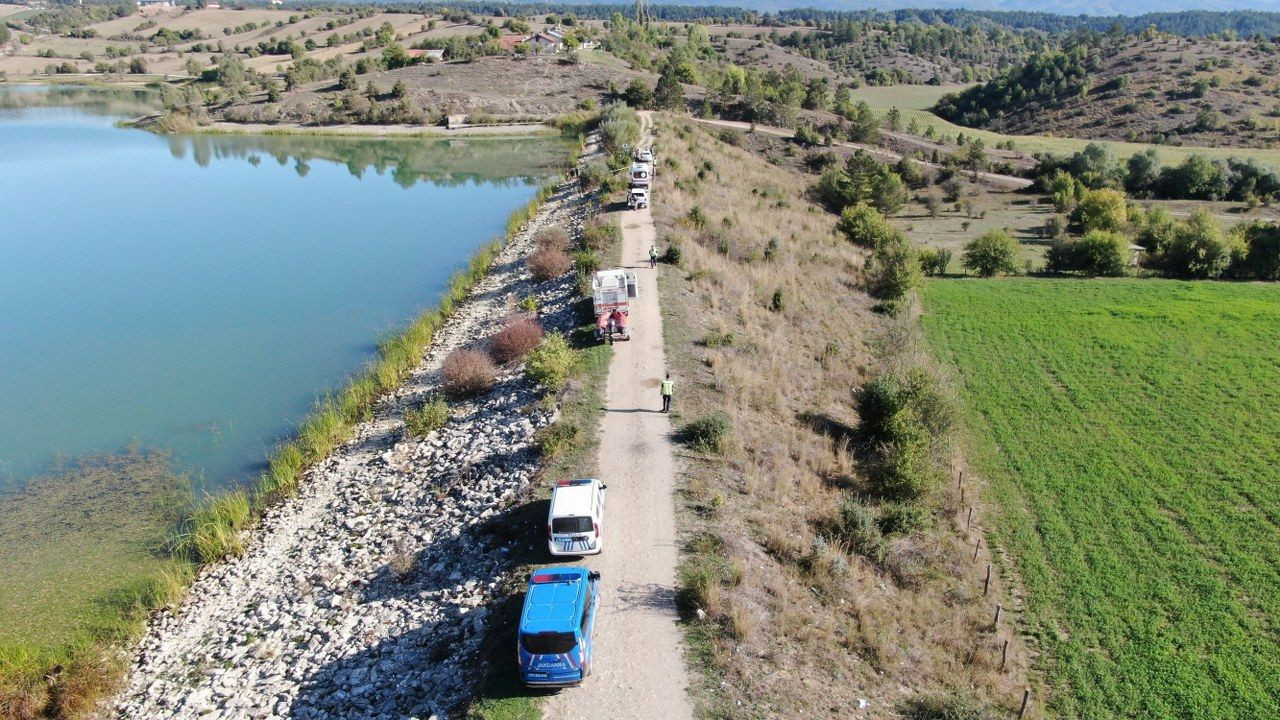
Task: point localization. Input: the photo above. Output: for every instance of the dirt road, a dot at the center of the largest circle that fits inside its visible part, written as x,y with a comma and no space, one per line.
1003,182
638,669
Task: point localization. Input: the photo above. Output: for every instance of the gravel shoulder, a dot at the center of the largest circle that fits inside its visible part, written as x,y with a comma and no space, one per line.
365,595
638,669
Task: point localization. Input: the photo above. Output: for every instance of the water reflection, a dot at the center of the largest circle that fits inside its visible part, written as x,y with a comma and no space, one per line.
409,161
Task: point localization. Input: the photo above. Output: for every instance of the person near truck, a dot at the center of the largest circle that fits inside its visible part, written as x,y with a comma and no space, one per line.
668,389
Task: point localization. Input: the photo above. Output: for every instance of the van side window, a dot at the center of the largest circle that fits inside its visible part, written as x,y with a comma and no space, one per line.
586,612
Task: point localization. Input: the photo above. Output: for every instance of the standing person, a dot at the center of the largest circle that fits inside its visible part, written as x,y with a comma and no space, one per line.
653,257
668,388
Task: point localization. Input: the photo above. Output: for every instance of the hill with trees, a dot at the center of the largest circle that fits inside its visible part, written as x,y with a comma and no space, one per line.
1150,87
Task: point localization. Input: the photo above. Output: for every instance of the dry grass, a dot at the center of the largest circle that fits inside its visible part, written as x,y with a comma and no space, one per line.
517,337
823,626
468,372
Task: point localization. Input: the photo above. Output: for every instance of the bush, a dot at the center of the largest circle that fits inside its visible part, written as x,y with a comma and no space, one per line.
552,238
586,263
672,255
548,264
945,707
779,301
554,439
598,235
707,434
550,363
934,261
894,269
467,373
889,393
858,527
901,466
990,254
1097,253
427,417
517,337
864,226
899,518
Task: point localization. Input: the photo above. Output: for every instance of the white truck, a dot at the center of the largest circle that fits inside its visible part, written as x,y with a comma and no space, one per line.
638,198
641,174
611,294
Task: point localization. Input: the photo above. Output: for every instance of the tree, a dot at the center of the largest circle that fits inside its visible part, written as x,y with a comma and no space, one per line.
1097,253
1101,210
1262,258
991,254
894,268
1141,172
669,93
638,94
395,56
137,66
399,90
1199,248
1062,188
893,119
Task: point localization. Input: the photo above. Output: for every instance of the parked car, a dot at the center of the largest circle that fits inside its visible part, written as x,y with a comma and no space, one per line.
554,645
639,198
644,155
576,518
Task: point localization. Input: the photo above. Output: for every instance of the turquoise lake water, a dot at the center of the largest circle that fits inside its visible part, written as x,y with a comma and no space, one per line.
196,294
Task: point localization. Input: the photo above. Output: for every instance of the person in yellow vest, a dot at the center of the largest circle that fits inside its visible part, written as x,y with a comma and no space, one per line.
668,388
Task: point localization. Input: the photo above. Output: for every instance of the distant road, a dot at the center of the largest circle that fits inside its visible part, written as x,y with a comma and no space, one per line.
1003,182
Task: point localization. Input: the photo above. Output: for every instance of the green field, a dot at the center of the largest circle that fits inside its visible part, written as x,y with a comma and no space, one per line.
1129,431
915,100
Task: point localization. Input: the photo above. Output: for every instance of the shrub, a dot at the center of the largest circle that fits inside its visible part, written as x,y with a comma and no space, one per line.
901,466
467,373
550,363
672,255
552,238
899,518
779,301
555,438
944,707
894,269
427,417
586,263
864,226
889,393
990,254
934,261
708,433
858,527
517,337
1097,253
717,339
549,263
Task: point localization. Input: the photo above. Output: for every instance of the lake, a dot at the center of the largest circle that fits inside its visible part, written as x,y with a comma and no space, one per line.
181,302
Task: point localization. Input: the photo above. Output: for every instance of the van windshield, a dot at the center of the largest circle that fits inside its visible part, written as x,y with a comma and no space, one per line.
563,525
548,643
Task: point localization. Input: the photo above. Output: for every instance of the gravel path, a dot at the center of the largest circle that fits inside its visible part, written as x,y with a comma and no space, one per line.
365,595
637,671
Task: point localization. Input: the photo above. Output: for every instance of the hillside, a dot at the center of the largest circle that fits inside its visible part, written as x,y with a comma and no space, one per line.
1146,88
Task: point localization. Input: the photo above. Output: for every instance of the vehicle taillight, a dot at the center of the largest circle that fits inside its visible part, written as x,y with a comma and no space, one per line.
549,532
595,526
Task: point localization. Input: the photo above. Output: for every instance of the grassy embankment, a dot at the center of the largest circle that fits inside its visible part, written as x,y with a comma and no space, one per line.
1127,432
815,591
915,100
67,679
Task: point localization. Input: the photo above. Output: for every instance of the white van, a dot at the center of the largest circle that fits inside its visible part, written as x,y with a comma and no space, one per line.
576,519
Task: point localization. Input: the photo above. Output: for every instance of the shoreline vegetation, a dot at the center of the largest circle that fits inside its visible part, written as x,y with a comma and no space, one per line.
70,682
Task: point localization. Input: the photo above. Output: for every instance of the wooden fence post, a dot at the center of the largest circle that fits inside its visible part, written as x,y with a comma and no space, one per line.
969,522
986,584
976,547
1026,698
996,625
1004,655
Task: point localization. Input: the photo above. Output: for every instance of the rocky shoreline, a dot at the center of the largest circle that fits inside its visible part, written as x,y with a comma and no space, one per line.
365,596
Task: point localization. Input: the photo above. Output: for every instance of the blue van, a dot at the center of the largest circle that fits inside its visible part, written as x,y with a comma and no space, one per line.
555,626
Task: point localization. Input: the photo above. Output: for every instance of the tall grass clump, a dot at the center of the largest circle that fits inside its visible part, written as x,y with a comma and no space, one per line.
215,531
427,417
